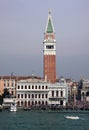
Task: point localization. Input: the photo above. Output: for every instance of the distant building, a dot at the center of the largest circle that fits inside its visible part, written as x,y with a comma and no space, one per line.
1,86
85,91
10,82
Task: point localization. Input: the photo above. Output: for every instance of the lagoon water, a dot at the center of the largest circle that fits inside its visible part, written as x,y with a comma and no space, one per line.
42,120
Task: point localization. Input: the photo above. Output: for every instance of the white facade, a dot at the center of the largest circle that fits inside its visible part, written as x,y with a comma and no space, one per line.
33,91
85,91
58,94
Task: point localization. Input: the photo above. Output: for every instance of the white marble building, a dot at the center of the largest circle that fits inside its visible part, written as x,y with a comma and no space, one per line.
35,92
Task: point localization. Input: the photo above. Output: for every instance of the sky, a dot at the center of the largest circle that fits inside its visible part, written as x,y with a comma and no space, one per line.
22,26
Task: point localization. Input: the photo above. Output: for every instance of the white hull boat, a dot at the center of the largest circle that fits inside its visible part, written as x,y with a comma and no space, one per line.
72,117
13,107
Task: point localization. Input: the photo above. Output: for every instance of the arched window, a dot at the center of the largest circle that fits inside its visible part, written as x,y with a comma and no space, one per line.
32,95
36,87
46,95
35,95
46,103
61,93
46,87
29,87
42,95
42,87
25,103
25,95
39,102
35,102
57,93
25,86
22,87
32,86
21,103
42,102
39,87
32,103
28,103
52,93
28,95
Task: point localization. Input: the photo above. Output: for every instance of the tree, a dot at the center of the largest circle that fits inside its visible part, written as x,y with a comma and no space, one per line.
6,93
1,100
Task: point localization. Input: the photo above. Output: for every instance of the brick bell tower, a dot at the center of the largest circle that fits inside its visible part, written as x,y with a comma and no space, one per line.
49,51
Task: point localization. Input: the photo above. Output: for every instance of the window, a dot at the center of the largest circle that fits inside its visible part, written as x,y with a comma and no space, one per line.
46,87
25,95
39,95
35,102
36,87
21,103
35,95
28,95
21,95
18,87
25,103
46,96
52,93
61,102
49,47
25,86
29,87
22,87
32,95
39,102
32,87
39,87
46,103
42,102
32,103
61,93
28,103
57,93
42,87
42,95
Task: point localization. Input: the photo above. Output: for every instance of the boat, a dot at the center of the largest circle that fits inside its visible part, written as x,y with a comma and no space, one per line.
72,117
13,107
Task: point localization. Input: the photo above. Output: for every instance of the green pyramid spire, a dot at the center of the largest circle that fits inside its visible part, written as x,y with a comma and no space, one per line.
49,27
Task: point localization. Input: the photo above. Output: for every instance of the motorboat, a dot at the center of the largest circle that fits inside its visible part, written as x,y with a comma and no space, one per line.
72,117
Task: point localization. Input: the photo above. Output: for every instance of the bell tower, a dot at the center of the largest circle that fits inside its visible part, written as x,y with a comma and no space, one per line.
49,51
